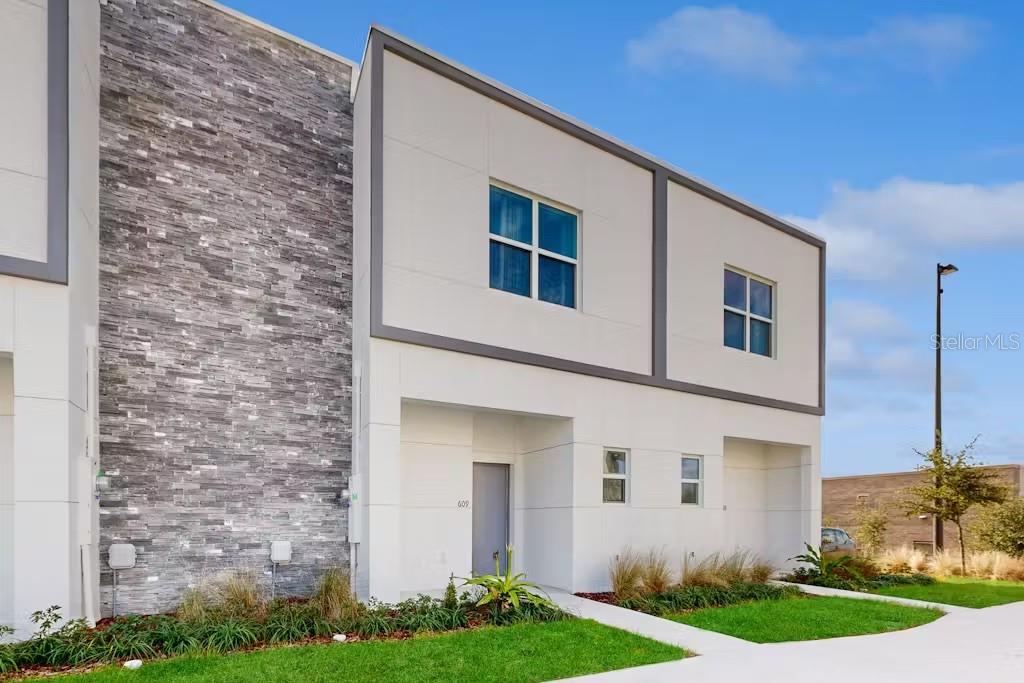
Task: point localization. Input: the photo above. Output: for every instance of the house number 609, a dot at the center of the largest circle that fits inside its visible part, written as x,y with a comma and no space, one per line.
463,503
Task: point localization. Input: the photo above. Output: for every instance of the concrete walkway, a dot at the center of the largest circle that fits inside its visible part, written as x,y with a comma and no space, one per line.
680,635
856,595
966,645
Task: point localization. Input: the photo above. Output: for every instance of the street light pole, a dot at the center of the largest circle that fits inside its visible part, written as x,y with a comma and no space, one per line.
940,270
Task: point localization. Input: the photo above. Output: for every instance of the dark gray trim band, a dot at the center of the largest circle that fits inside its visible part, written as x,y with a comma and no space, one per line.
55,268
379,42
659,295
401,334
821,328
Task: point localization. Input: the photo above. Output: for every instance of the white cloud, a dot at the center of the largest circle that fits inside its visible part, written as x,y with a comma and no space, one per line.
876,234
1000,152
931,44
746,44
869,344
727,38
866,318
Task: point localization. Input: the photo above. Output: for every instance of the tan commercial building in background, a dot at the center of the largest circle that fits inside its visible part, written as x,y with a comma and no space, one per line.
840,497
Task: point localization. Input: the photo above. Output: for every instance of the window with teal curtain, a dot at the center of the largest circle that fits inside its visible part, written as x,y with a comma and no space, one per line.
527,233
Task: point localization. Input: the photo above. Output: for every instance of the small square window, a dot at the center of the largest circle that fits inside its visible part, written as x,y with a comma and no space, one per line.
616,475
533,247
749,322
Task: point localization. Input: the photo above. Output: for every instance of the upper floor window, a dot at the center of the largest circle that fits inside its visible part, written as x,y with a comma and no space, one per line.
749,312
533,247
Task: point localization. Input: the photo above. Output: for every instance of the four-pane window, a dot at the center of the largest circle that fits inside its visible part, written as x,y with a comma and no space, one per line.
533,249
749,313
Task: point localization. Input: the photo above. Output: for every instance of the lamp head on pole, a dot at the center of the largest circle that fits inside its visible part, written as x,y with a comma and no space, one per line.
947,269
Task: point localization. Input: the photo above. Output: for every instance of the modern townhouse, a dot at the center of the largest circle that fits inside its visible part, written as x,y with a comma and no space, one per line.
396,314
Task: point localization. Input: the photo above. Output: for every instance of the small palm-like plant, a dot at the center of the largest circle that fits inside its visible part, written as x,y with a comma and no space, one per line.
828,567
502,591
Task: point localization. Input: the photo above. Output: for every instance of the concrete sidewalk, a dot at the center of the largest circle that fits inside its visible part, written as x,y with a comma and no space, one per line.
976,646
680,635
857,595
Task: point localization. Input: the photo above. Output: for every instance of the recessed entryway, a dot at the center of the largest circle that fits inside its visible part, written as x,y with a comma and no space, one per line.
490,515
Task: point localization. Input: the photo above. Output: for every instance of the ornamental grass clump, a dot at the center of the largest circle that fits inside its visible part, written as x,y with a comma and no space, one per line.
625,571
741,566
333,597
655,572
240,594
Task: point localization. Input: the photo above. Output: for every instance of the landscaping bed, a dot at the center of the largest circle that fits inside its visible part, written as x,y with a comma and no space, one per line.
806,618
517,653
899,573
231,613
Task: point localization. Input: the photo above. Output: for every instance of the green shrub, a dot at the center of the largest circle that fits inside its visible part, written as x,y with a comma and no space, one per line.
290,622
507,591
230,634
451,599
684,598
1001,528
219,626
883,580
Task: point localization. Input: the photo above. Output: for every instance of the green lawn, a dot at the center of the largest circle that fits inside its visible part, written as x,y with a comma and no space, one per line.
962,592
525,652
806,618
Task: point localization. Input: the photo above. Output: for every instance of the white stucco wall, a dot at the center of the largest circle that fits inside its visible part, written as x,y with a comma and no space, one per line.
361,395
443,145
704,237
564,533
46,328
23,142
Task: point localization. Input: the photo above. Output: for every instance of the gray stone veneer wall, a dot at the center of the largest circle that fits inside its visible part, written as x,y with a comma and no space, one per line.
225,299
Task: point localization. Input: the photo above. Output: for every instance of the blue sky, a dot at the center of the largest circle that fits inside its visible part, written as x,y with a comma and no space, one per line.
894,129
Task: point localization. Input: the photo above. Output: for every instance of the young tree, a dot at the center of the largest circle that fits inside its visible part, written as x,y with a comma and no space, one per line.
872,523
952,484
1002,528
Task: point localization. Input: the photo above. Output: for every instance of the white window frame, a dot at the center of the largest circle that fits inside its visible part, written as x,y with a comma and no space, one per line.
623,477
534,248
699,481
748,315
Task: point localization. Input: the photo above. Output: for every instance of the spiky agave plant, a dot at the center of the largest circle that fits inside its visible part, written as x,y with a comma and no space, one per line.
504,590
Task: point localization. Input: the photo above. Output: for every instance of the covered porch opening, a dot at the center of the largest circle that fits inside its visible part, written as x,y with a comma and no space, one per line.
472,479
767,498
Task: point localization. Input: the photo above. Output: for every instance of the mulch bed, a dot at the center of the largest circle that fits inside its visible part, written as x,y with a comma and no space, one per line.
607,598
